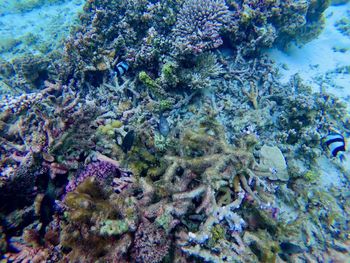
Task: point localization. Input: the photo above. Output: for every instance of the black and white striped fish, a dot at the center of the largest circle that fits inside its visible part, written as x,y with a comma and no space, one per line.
335,143
121,68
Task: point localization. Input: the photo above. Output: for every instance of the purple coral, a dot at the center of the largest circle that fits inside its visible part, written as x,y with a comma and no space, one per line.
102,171
151,243
198,25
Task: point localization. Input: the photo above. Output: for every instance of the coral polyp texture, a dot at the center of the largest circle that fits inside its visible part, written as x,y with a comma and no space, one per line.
164,133
199,24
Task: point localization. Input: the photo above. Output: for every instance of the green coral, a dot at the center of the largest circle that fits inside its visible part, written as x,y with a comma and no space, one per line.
217,233
108,129
168,74
202,74
165,105
161,143
311,175
263,246
113,227
100,215
142,162
164,220
149,82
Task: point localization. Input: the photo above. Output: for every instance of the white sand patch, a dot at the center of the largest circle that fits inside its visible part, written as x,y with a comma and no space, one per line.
330,174
317,58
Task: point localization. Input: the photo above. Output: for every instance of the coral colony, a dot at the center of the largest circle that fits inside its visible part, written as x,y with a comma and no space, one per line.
161,133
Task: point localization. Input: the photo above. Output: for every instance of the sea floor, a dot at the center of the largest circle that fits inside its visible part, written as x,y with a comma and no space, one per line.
36,31
324,62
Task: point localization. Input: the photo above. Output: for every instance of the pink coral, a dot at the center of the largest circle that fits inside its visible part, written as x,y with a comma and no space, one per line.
151,243
198,25
102,171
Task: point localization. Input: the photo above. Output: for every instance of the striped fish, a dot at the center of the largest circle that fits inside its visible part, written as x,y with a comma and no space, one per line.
121,68
335,143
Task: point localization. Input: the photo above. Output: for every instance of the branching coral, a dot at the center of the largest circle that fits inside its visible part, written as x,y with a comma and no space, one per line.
103,172
37,138
199,24
199,73
192,182
266,23
193,196
202,74
97,223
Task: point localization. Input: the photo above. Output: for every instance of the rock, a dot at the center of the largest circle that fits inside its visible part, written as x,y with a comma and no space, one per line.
272,158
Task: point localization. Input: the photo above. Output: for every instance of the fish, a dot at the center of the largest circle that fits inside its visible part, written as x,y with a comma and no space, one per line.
335,143
121,68
290,248
163,126
128,141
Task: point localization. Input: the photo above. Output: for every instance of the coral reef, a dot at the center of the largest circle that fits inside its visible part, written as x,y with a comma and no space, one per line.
149,32
37,133
103,171
151,243
197,153
198,26
97,223
27,73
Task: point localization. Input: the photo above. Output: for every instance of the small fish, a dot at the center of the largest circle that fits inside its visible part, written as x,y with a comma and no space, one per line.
290,248
128,141
335,143
121,68
163,126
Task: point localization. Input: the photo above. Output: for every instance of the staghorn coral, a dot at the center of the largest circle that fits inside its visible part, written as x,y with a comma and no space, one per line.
191,184
40,139
219,166
202,74
199,73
